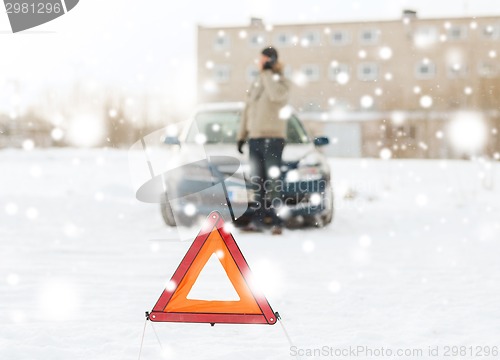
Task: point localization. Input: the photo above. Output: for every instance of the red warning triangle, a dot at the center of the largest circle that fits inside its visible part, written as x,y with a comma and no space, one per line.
174,304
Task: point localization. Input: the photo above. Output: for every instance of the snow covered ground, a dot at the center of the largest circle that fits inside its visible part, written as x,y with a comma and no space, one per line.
411,261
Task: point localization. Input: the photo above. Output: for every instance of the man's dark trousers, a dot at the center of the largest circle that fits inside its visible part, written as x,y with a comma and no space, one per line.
265,176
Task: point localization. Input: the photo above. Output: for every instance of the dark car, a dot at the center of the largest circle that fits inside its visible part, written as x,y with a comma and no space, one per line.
305,173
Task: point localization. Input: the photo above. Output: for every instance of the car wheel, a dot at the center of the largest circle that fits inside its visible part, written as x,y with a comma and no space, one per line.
329,211
314,221
168,214
326,216
242,221
166,211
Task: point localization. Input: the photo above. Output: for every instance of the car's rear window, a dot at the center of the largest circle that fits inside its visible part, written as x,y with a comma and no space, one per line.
221,127
214,127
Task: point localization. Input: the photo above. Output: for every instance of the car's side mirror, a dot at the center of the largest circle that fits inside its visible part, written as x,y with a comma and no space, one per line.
172,140
321,141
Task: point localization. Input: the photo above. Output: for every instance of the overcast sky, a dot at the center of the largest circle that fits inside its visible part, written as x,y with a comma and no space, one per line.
147,45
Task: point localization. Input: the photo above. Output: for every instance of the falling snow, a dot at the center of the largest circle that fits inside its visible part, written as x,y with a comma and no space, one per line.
366,101
385,53
413,229
426,101
467,132
385,154
342,78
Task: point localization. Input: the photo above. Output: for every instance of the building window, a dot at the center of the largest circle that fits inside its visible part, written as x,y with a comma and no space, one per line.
425,70
369,36
222,73
340,37
252,73
488,69
311,38
221,41
368,71
284,39
457,70
311,72
335,69
256,40
491,32
457,32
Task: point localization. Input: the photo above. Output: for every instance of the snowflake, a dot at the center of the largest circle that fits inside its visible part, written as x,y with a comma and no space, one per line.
467,132
385,154
426,101
11,208
112,113
28,144
342,78
385,53
366,101
57,134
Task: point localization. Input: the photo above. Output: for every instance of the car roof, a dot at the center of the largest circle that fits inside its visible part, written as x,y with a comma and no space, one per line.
226,106
230,106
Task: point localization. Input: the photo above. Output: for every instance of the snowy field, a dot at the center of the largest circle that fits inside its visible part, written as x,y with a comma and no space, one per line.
411,261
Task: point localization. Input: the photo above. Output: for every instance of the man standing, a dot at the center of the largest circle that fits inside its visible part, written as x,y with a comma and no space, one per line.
266,132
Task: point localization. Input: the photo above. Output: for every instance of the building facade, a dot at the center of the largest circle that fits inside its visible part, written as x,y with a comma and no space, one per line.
382,84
